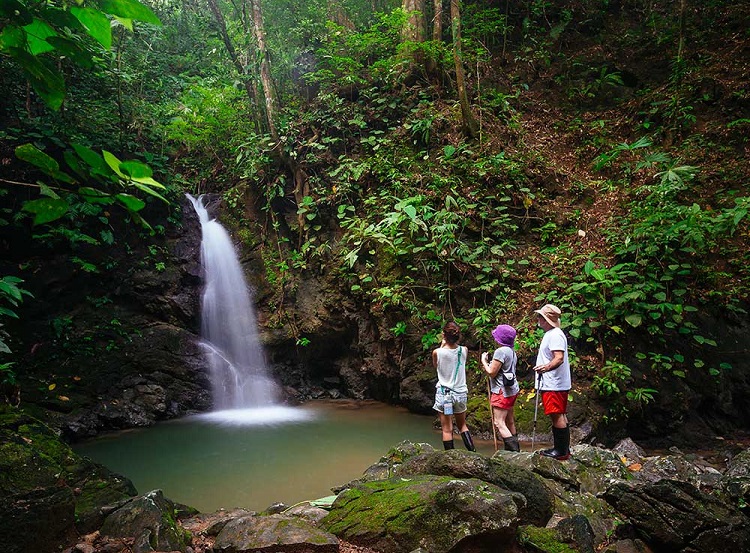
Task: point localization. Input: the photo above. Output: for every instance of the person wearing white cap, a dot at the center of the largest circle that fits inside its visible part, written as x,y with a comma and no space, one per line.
554,379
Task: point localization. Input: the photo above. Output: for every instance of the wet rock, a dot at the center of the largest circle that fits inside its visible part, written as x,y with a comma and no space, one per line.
632,452
675,516
596,468
273,533
433,512
537,505
150,520
306,511
49,493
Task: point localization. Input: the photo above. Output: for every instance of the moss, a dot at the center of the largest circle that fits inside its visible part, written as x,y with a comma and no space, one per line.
372,513
544,540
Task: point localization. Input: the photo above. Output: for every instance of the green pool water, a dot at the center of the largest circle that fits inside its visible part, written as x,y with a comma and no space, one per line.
254,458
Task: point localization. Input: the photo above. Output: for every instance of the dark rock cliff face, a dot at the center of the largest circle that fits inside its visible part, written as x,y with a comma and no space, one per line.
117,348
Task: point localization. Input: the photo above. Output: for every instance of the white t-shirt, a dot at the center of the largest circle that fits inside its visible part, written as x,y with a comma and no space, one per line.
557,380
508,360
448,376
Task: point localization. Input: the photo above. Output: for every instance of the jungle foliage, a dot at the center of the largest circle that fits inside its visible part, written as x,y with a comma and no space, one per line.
604,175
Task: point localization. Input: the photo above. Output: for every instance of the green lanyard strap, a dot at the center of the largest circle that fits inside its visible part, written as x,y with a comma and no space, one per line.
458,364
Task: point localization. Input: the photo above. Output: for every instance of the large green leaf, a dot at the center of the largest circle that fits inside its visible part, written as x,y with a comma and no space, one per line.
72,50
130,9
113,163
36,34
149,190
33,155
96,24
136,169
91,158
95,196
46,209
46,79
140,172
130,202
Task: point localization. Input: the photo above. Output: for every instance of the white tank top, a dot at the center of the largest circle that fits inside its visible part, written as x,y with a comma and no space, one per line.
448,376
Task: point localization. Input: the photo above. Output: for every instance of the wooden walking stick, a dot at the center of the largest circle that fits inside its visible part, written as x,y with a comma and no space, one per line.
492,412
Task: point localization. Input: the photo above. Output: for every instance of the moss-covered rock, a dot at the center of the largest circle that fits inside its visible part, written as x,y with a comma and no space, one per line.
274,533
543,540
151,520
433,512
50,493
537,508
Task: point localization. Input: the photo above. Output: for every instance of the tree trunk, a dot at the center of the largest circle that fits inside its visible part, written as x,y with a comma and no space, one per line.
414,29
470,126
252,93
437,21
265,69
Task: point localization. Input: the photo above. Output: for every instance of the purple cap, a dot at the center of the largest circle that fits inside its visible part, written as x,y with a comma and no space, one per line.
504,335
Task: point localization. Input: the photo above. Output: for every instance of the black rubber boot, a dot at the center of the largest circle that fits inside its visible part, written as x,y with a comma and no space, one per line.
511,444
447,444
468,442
561,439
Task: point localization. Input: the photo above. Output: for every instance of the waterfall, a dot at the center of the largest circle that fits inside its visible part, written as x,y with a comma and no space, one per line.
239,376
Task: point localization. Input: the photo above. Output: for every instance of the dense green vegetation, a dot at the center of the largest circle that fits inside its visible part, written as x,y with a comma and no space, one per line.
605,174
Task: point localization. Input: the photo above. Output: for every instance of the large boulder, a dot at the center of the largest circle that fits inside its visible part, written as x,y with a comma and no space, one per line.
151,521
498,471
277,533
675,516
49,493
436,513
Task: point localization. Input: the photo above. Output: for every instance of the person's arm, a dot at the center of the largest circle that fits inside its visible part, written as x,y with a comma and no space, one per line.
557,359
490,368
434,358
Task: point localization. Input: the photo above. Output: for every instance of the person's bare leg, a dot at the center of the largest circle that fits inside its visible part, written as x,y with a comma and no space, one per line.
501,416
446,425
510,422
461,422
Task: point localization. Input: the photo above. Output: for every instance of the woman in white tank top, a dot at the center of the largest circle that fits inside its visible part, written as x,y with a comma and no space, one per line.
451,392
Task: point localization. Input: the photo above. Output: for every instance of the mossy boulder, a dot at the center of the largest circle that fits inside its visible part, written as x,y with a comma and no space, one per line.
543,540
436,513
50,494
151,520
498,471
276,533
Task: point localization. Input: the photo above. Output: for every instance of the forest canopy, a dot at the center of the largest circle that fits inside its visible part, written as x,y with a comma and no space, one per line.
444,160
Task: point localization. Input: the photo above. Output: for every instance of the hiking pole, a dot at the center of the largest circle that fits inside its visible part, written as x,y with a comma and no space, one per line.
536,408
492,412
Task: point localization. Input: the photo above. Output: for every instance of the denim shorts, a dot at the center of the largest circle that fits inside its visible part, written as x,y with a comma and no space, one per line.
443,395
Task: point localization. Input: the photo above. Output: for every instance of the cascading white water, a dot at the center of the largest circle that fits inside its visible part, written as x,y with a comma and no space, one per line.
228,326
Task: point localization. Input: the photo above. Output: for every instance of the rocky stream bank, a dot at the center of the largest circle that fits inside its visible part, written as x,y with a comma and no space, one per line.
414,498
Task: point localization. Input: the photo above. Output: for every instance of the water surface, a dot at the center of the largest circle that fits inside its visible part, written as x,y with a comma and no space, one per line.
253,458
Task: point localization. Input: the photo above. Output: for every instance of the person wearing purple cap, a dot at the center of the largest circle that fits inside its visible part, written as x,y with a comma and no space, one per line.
504,386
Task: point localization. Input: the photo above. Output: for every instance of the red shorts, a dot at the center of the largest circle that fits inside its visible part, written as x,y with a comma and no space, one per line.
502,402
555,402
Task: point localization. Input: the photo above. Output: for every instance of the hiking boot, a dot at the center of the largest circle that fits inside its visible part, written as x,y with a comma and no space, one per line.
561,439
468,442
511,444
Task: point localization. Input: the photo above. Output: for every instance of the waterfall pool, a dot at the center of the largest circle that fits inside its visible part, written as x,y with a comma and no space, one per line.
252,458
